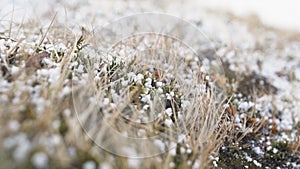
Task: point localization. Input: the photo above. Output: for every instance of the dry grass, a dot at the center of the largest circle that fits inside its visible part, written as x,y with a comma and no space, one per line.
44,107
68,98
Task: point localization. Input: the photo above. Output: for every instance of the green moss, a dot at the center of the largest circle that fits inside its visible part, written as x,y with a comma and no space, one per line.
63,128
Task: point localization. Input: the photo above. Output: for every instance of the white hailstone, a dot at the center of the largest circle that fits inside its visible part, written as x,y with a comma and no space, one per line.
258,150
54,74
160,145
104,165
56,124
196,164
185,103
138,78
115,96
61,47
66,90
202,88
4,98
112,105
131,76
189,56
145,107
9,142
89,165
14,70
97,78
257,163
169,111
146,98
230,54
249,159
172,165
168,96
133,163
4,85
159,84
275,150
124,83
172,93
181,138
75,63
80,69
269,148
245,105
179,115
67,112
160,90
177,86
182,150
72,151
168,122
13,125
148,83
124,134
173,147
42,72
215,163
55,139
47,61
189,151
142,132
40,160
129,151
105,101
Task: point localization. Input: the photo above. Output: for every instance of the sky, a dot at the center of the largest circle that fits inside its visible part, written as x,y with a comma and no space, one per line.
277,13
283,14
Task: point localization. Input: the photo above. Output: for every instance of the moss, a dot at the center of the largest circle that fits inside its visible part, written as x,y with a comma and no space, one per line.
63,128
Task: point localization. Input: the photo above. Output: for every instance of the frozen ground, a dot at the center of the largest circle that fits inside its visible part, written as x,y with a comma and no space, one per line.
262,64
